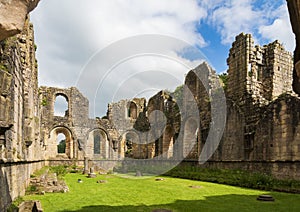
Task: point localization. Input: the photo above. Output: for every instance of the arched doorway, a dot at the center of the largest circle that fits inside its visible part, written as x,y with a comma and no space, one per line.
61,143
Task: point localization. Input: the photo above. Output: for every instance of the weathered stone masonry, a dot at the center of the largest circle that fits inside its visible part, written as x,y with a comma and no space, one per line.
261,132
21,150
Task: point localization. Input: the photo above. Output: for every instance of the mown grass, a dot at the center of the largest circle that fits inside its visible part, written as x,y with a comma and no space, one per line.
146,194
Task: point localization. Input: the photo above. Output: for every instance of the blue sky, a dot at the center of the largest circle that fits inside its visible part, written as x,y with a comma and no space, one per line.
71,34
272,16
215,51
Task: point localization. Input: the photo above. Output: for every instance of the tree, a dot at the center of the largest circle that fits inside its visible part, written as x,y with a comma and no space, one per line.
178,94
61,147
224,79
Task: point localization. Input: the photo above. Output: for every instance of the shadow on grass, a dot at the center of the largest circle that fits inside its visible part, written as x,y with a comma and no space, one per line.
212,203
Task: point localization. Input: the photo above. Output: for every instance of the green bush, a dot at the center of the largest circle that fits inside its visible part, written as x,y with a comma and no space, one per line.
31,189
235,178
15,204
59,170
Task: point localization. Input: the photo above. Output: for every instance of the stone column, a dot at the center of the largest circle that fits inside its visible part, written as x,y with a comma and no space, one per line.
86,165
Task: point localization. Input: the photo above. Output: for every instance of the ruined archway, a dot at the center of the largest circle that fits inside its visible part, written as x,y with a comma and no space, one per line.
97,144
132,110
129,145
61,143
168,142
189,136
52,143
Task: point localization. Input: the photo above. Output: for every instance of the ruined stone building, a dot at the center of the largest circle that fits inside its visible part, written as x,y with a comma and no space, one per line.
21,150
261,132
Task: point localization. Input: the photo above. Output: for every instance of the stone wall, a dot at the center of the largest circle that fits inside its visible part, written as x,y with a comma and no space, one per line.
232,145
277,135
80,131
129,119
164,118
262,118
260,73
21,151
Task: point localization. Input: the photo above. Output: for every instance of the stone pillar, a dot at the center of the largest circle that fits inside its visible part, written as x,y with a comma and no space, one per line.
91,170
92,174
86,165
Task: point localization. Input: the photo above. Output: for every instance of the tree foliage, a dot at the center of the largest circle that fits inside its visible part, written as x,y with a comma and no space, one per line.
224,79
178,94
61,147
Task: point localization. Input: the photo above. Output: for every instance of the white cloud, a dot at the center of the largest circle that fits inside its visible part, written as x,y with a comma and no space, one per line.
235,17
268,22
68,33
280,29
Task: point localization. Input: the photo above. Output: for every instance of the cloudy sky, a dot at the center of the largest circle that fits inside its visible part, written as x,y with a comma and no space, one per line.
121,49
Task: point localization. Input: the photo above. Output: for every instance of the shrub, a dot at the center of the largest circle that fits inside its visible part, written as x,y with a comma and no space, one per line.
14,205
235,177
59,170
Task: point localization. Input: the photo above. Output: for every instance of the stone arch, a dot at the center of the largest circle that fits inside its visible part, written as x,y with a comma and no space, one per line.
61,105
132,110
52,143
191,128
129,144
61,143
191,81
98,142
154,144
168,142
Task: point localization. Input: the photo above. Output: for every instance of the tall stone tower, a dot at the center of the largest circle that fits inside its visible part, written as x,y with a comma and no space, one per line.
258,73
256,76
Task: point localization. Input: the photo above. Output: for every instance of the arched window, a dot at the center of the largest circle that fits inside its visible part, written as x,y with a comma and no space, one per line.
61,106
97,138
129,143
132,110
61,143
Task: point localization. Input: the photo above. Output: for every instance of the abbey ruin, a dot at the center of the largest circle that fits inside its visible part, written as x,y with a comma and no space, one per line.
261,133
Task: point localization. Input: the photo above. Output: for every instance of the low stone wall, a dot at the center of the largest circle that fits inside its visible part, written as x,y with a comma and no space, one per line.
96,164
67,162
14,178
278,169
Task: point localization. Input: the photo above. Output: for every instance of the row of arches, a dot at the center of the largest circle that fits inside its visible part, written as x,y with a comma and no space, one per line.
166,145
131,144
61,143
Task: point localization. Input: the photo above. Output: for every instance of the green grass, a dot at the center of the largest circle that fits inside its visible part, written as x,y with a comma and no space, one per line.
146,194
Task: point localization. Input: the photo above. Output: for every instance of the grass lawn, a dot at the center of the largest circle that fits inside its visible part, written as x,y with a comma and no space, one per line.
146,194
